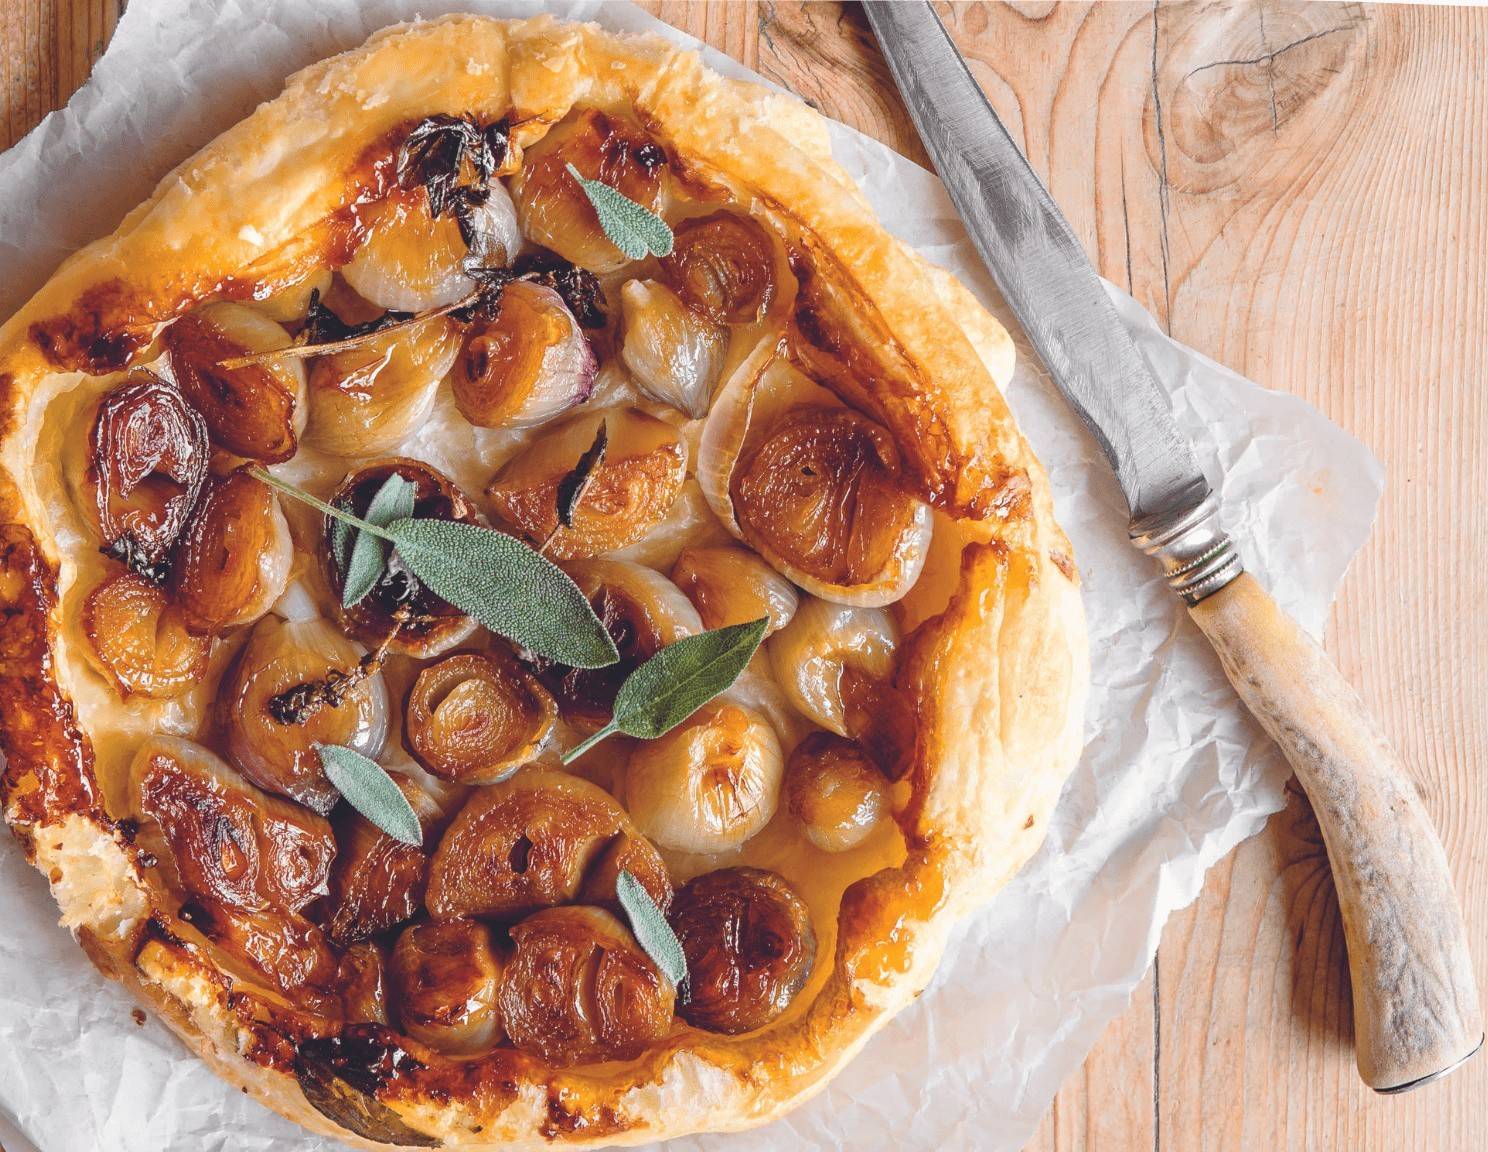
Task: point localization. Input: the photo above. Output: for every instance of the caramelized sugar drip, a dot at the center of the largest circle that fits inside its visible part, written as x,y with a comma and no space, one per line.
529,843
146,466
723,265
234,557
377,882
580,989
475,718
445,977
140,639
749,944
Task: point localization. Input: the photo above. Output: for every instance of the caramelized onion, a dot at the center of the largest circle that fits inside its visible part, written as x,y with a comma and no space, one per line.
409,262
819,498
674,352
255,411
276,751
733,586
642,611
369,399
376,882
283,947
725,265
552,207
147,463
525,844
750,948
580,989
835,791
234,558
435,624
814,653
362,978
291,303
476,719
633,853
140,640
629,493
446,978
526,365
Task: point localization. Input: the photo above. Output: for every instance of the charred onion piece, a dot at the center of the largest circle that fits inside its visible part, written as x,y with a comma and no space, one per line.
551,206
835,790
434,625
527,364
377,882
525,844
820,498
749,944
629,494
579,989
642,611
362,979
281,756
476,719
147,462
140,640
446,977
255,411
724,265
233,560
733,586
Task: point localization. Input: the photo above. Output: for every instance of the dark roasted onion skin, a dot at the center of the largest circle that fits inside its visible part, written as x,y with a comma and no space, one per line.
445,979
216,573
749,944
376,882
579,989
723,265
146,467
523,845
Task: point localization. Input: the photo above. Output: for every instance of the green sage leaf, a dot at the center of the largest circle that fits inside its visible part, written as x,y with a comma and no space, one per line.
368,788
507,586
652,932
631,227
368,557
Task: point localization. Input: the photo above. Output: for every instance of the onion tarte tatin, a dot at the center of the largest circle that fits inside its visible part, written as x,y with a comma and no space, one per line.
524,614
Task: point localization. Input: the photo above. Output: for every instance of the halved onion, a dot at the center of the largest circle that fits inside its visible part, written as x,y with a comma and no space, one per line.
377,882
369,399
525,366
732,585
475,718
446,978
362,978
234,558
675,352
818,496
146,463
410,262
726,265
276,751
823,643
435,624
552,207
629,493
642,611
139,639
255,411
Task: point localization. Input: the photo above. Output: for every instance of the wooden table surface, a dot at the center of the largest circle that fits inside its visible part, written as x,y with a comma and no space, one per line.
1299,190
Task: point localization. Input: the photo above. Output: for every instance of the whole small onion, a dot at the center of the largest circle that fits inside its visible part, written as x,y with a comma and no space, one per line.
674,352
234,558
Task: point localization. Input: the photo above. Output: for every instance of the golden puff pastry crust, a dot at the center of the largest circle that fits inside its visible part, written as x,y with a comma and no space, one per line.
995,664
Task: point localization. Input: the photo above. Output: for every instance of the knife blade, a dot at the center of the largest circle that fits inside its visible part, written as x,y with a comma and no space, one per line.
1417,1014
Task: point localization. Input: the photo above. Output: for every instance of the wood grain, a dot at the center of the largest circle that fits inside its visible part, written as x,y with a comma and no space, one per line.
1301,191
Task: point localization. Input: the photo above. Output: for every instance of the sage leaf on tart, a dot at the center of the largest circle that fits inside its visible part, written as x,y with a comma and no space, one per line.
650,928
368,555
677,681
572,487
366,786
631,227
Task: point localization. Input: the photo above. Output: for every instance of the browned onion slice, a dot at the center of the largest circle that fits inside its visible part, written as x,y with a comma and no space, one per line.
629,493
820,498
254,411
475,718
146,466
551,206
140,638
835,790
725,265
233,560
580,989
525,844
633,853
362,979
525,366
377,882
749,944
285,948
436,625
446,977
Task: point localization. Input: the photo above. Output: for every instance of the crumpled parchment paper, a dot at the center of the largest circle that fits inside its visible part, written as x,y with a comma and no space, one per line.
1175,774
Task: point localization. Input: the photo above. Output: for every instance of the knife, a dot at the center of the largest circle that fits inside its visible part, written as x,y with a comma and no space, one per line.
1416,1009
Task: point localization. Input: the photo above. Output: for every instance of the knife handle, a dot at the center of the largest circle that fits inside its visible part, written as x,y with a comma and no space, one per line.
1416,1009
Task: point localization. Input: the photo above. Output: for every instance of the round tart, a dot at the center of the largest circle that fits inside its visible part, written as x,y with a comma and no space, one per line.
571,297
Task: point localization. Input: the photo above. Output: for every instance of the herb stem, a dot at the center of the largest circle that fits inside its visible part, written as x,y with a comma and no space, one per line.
579,749
260,473
325,347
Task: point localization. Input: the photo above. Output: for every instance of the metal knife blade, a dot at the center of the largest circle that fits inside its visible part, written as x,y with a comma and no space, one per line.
1039,265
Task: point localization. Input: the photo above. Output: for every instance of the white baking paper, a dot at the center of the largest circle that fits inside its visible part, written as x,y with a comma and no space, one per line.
1174,775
